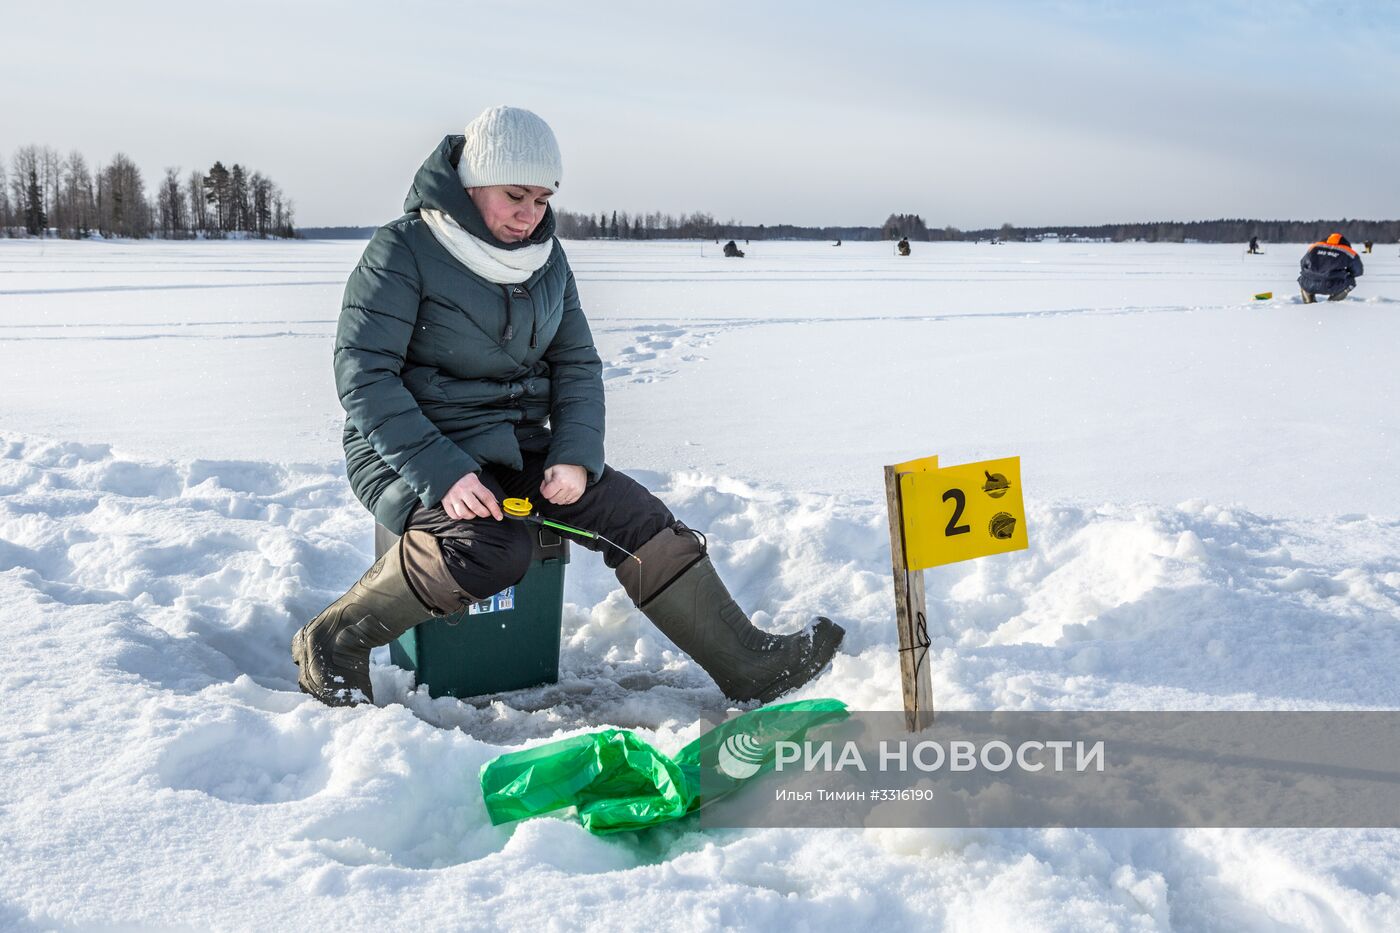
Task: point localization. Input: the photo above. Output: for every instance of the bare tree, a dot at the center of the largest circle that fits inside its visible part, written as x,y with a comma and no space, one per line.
170,206
78,200
5,219
50,183
260,189
281,213
287,228
199,204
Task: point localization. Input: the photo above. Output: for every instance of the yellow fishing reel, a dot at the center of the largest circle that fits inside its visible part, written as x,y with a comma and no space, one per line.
522,510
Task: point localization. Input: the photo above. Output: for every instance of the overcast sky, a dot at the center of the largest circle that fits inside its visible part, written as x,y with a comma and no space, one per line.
971,114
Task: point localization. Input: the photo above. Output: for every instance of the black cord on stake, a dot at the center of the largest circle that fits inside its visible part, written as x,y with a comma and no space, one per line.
922,643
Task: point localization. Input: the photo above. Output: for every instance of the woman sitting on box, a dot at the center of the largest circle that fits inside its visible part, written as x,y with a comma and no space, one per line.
468,375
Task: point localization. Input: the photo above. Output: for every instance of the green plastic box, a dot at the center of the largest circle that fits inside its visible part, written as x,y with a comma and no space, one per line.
507,642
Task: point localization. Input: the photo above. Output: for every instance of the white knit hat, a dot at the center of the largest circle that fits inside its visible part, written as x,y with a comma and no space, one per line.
510,146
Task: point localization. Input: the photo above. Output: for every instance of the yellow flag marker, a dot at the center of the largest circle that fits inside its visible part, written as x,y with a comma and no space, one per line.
938,516
962,512
922,465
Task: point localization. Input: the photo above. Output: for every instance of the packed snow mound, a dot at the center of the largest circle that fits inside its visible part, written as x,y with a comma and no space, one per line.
223,560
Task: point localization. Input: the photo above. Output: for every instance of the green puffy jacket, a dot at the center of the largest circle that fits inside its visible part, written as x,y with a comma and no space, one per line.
441,372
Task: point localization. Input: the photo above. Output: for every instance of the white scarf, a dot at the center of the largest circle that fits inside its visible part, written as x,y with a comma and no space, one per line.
502,266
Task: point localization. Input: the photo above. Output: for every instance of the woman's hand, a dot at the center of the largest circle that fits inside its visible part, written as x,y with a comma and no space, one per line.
469,498
564,483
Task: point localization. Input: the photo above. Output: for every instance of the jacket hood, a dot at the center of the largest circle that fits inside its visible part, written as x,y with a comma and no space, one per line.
437,187
1336,241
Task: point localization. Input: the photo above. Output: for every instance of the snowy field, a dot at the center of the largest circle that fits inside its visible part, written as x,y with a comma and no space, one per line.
1214,519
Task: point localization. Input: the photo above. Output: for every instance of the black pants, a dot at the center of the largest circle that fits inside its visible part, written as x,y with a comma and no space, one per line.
485,556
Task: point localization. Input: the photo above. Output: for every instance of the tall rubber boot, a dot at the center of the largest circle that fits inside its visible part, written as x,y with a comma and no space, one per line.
1308,297
405,586
677,588
1341,295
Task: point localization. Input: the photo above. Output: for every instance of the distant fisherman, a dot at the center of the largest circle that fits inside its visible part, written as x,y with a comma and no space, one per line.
903,246
1329,268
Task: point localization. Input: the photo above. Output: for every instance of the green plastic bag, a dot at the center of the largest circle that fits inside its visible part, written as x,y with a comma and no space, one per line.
618,782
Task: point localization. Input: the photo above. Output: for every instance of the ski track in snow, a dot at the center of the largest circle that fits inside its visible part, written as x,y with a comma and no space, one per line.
656,351
162,596
652,352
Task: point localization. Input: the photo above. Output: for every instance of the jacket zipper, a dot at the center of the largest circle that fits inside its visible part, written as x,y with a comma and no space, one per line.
509,332
508,291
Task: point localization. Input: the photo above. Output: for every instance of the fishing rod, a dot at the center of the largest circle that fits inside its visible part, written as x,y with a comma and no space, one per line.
522,510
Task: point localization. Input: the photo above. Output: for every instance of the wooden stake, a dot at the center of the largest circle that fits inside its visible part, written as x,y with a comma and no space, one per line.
911,617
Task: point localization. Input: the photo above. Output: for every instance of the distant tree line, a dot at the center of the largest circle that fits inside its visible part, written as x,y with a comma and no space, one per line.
702,226
622,226
46,194
1206,231
656,226
336,233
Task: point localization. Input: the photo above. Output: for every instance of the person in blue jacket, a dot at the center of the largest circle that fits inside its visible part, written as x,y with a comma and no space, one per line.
1330,268
468,374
